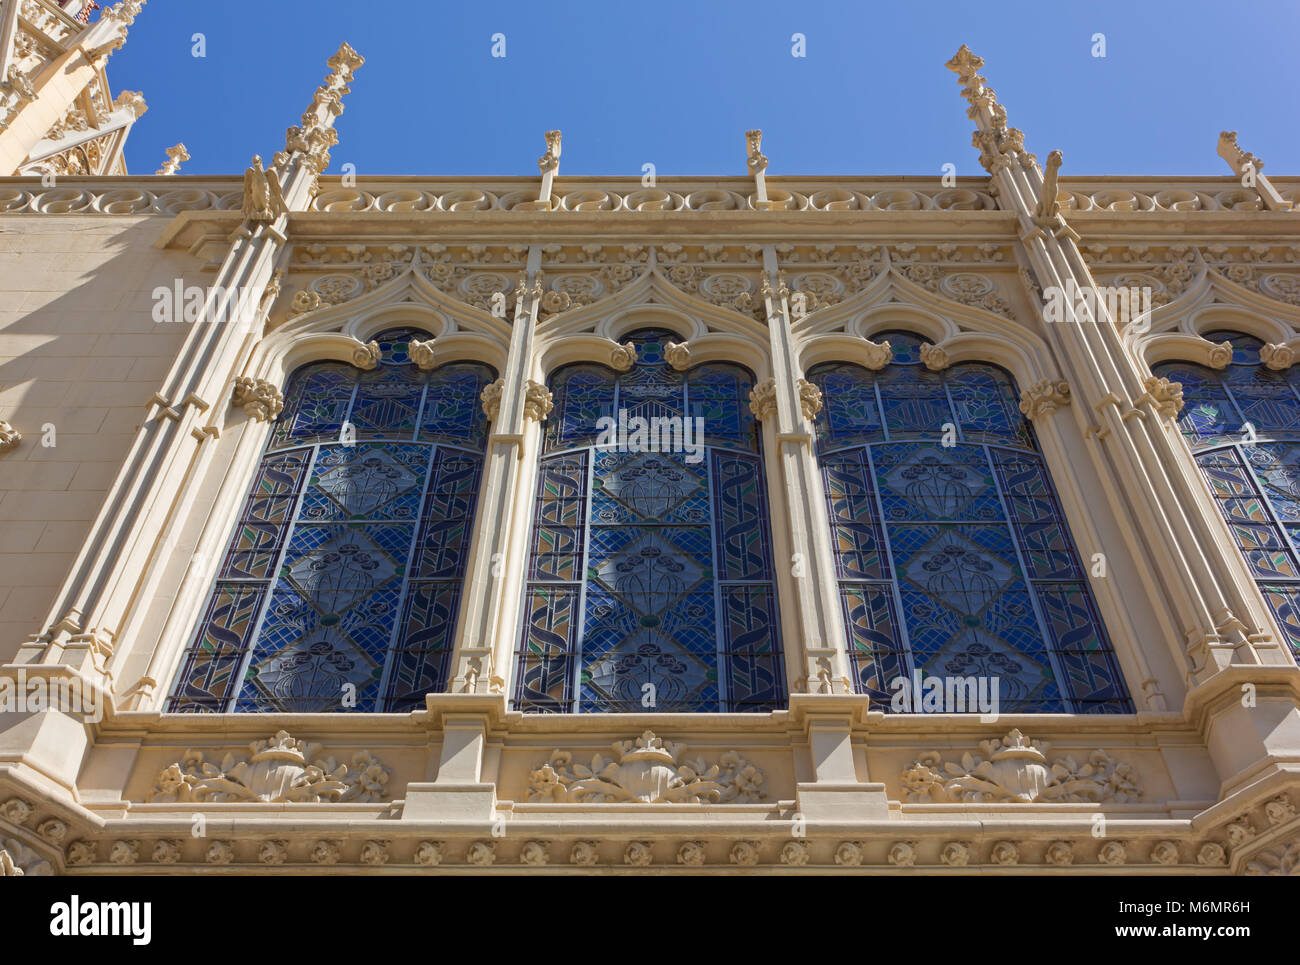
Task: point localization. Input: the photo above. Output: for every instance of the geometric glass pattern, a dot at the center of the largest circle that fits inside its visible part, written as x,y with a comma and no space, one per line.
953,555
1243,425
650,572
342,582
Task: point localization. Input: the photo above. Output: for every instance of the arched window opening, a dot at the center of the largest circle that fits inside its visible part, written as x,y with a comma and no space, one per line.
954,558
341,585
1243,425
650,581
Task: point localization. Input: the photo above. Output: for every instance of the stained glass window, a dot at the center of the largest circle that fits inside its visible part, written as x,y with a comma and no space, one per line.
341,585
650,577
953,556
1244,426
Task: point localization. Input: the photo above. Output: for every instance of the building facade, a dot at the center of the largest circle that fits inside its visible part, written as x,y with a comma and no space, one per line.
739,525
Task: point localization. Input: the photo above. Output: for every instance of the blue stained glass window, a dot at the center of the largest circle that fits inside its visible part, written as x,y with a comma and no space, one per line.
1243,424
342,582
650,577
953,556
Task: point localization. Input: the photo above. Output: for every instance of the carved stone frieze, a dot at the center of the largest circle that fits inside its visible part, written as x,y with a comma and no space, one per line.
1015,769
1281,861
279,769
649,770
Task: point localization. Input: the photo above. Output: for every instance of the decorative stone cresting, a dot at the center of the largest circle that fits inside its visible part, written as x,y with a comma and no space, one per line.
648,770
1014,769
1044,397
280,769
258,397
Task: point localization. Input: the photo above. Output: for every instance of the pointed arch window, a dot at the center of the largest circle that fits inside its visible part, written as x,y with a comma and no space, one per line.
953,556
1243,425
650,577
341,584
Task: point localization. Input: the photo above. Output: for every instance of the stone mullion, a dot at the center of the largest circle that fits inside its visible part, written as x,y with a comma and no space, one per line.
1211,593
819,644
481,660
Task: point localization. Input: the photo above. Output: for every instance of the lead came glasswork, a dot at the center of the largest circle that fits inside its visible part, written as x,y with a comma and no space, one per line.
345,570
1253,472
955,560
650,575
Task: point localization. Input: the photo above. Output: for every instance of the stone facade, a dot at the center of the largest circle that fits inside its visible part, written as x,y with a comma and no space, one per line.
128,446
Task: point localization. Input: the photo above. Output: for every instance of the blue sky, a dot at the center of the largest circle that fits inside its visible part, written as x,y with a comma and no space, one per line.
677,84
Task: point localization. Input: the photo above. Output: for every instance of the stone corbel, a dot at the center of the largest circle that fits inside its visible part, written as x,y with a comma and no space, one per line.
422,354
9,437
1165,397
538,401
366,355
678,355
935,358
260,399
762,399
810,399
1277,356
491,399
1044,397
878,355
623,357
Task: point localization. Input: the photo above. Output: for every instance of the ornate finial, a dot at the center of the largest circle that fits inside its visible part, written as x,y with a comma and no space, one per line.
757,159
175,155
964,64
549,162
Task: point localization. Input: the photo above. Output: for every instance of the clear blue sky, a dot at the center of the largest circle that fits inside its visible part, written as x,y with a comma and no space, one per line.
677,84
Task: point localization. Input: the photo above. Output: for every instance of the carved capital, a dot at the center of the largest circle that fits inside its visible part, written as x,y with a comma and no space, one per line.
422,353
537,401
367,356
810,399
935,358
1044,397
1165,396
491,399
678,355
762,399
258,397
1277,356
623,357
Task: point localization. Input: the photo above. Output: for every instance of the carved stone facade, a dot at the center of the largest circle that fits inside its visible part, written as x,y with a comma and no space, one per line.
108,564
